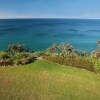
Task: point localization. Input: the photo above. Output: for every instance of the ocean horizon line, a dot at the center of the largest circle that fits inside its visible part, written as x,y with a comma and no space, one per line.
53,18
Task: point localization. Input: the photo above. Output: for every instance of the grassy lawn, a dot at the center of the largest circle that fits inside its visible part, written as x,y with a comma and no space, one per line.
44,80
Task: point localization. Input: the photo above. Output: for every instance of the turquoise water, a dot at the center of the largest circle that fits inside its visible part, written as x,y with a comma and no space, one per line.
39,34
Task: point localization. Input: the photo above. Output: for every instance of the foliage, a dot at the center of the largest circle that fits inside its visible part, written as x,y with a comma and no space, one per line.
22,58
65,50
38,54
4,55
96,65
5,59
20,55
60,48
79,62
6,62
96,53
13,48
16,54
17,62
65,54
98,42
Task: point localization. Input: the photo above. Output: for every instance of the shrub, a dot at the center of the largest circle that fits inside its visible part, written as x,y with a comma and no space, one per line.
17,62
20,55
65,50
38,54
59,48
78,62
5,59
6,62
13,48
23,58
26,61
96,65
4,55
98,42
16,55
95,54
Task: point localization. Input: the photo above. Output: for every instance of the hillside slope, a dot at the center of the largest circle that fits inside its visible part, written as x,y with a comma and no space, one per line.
44,80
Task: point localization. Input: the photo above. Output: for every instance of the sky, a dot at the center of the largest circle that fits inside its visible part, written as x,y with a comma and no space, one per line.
50,9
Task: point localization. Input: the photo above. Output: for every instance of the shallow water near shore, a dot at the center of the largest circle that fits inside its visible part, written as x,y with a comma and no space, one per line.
38,34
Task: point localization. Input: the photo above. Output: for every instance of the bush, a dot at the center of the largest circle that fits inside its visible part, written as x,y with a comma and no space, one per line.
59,60
17,62
95,54
4,55
6,62
38,54
16,55
65,50
98,48
20,55
23,61
22,58
79,62
96,65
5,59
13,48
60,48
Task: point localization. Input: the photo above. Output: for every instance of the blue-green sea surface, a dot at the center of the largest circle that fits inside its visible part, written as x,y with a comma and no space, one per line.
38,34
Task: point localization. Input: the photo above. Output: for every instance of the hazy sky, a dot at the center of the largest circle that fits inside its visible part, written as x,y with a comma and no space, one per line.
49,8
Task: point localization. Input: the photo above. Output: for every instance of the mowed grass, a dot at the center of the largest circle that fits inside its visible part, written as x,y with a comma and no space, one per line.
44,80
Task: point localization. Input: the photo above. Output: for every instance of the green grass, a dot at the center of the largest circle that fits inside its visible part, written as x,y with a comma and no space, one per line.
44,80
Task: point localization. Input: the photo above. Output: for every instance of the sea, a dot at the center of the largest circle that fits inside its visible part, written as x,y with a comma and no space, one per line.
39,34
